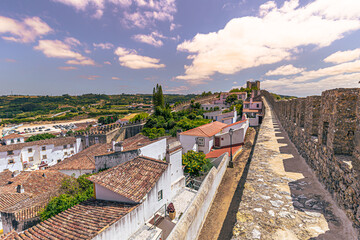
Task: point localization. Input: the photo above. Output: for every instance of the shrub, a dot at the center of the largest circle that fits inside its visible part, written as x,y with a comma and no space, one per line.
195,162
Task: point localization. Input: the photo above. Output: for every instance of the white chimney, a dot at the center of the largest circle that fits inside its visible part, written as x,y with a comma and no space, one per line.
20,189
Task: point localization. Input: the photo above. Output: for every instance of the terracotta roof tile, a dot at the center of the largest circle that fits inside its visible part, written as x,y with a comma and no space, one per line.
83,221
10,199
5,176
251,110
35,182
235,123
132,179
51,141
83,160
207,130
39,187
12,136
218,152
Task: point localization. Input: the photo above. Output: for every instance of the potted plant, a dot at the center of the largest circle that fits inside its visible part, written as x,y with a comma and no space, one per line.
171,211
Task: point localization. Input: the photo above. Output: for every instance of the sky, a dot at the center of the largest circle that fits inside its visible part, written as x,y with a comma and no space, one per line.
294,47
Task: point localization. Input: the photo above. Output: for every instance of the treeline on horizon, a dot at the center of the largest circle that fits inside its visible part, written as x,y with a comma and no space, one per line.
17,109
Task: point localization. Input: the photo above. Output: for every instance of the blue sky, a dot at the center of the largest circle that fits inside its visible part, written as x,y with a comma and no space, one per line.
53,47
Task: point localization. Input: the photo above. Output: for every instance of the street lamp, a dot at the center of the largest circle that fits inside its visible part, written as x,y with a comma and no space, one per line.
231,164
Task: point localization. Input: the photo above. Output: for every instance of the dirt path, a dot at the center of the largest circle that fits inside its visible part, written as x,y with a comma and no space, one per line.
224,203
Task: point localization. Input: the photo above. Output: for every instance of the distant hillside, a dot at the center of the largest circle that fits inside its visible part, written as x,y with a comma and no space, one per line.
17,109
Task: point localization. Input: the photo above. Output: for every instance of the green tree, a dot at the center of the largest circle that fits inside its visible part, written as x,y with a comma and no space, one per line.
195,162
75,191
158,97
231,98
40,137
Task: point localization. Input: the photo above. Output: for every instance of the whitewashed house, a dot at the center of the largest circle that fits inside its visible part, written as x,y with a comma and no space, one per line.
200,139
222,139
12,139
253,108
228,118
37,154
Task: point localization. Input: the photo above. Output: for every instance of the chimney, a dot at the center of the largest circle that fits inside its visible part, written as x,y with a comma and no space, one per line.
43,175
118,147
19,189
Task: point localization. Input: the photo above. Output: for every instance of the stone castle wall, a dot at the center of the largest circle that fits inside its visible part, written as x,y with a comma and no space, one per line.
326,131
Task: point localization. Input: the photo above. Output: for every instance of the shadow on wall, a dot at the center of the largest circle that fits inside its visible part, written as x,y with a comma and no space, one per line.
306,193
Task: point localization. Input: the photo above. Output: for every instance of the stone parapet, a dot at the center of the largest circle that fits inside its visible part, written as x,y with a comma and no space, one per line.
326,131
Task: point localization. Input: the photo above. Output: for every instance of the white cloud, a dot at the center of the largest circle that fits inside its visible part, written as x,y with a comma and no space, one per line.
116,78
103,45
82,5
67,68
343,56
107,63
316,81
152,39
86,61
273,36
72,41
131,59
173,26
177,89
285,70
10,60
59,49
141,14
90,77
24,31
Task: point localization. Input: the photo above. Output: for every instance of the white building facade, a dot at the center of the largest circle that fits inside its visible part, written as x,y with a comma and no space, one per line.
37,154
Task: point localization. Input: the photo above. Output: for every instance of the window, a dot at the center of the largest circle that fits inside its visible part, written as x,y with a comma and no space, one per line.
31,159
11,161
29,150
72,151
71,145
160,195
43,148
65,146
18,140
65,153
200,141
44,157
12,140
59,160
10,153
257,105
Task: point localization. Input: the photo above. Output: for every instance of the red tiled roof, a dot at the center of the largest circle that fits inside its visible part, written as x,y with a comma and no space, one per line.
132,179
10,199
52,141
5,176
251,110
12,136
35,182
235,123
82,221
218,152
83,160
207,130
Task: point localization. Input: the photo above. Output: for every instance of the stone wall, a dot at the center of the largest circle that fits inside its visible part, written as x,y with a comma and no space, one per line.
192,220
326,131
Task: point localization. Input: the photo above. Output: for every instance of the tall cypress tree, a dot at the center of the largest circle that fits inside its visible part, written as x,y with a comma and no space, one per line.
161,97
158,97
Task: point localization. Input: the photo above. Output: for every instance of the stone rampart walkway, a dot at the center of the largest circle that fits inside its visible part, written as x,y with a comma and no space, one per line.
282,198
